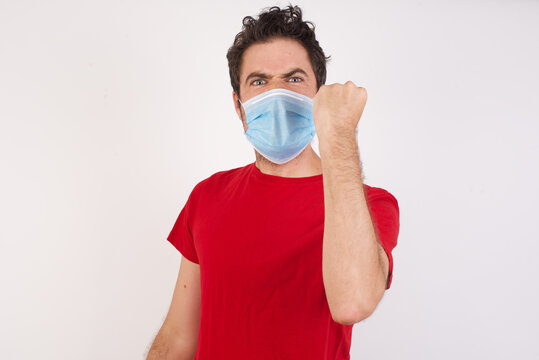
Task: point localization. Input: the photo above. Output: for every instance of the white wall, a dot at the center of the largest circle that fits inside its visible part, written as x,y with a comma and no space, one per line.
111,111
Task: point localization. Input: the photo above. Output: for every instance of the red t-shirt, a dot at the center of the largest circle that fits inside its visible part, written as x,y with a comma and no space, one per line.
258,241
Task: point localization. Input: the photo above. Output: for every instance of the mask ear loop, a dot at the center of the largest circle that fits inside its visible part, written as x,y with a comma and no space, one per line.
242,109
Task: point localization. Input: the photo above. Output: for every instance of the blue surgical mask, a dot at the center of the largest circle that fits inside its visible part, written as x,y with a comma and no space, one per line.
280,124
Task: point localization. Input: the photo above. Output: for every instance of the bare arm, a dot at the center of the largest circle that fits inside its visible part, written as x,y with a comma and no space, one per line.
178,337
354,267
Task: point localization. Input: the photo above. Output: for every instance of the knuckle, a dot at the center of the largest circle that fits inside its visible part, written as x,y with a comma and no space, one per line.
362,91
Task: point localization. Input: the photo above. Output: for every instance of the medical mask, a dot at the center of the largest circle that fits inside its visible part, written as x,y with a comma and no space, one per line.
280,124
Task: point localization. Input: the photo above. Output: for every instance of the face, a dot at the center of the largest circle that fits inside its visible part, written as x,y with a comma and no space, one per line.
280,63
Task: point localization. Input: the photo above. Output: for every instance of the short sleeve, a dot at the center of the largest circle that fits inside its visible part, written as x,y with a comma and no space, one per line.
384,210
181,235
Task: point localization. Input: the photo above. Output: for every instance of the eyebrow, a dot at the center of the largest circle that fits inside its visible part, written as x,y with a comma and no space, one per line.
266,76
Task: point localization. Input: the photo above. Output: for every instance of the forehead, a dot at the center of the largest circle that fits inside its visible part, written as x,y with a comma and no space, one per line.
274,57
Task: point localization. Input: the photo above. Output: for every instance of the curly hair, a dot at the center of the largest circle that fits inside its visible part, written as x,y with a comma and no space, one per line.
272,23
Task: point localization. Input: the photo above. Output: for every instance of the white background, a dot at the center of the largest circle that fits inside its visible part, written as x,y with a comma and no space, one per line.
111,112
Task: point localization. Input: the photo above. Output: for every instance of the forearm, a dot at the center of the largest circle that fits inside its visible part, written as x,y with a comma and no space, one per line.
169,346
352,271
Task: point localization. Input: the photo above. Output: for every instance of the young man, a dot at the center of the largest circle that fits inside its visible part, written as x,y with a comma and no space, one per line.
283,255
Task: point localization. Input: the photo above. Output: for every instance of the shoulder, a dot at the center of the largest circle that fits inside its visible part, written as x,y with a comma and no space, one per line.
374,193
221,180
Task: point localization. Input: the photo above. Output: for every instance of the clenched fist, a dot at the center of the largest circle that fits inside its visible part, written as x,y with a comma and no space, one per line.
337,109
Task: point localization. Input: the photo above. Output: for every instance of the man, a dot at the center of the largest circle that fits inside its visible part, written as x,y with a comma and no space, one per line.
282,256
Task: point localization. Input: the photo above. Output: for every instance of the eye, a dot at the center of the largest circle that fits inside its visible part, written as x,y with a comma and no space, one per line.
258,82
295,79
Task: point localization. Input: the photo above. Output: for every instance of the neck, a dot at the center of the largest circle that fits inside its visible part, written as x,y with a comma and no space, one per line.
307,163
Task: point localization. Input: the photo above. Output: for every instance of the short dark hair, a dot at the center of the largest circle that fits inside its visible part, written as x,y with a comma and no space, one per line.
272,23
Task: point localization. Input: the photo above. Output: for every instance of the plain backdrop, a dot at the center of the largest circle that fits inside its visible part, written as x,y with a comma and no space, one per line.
111,111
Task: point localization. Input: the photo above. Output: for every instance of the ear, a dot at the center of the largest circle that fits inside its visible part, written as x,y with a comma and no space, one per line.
237,106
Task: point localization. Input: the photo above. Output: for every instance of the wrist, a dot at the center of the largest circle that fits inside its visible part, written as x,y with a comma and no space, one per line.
330,141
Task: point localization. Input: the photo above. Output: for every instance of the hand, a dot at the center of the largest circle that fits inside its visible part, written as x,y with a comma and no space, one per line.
337,109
